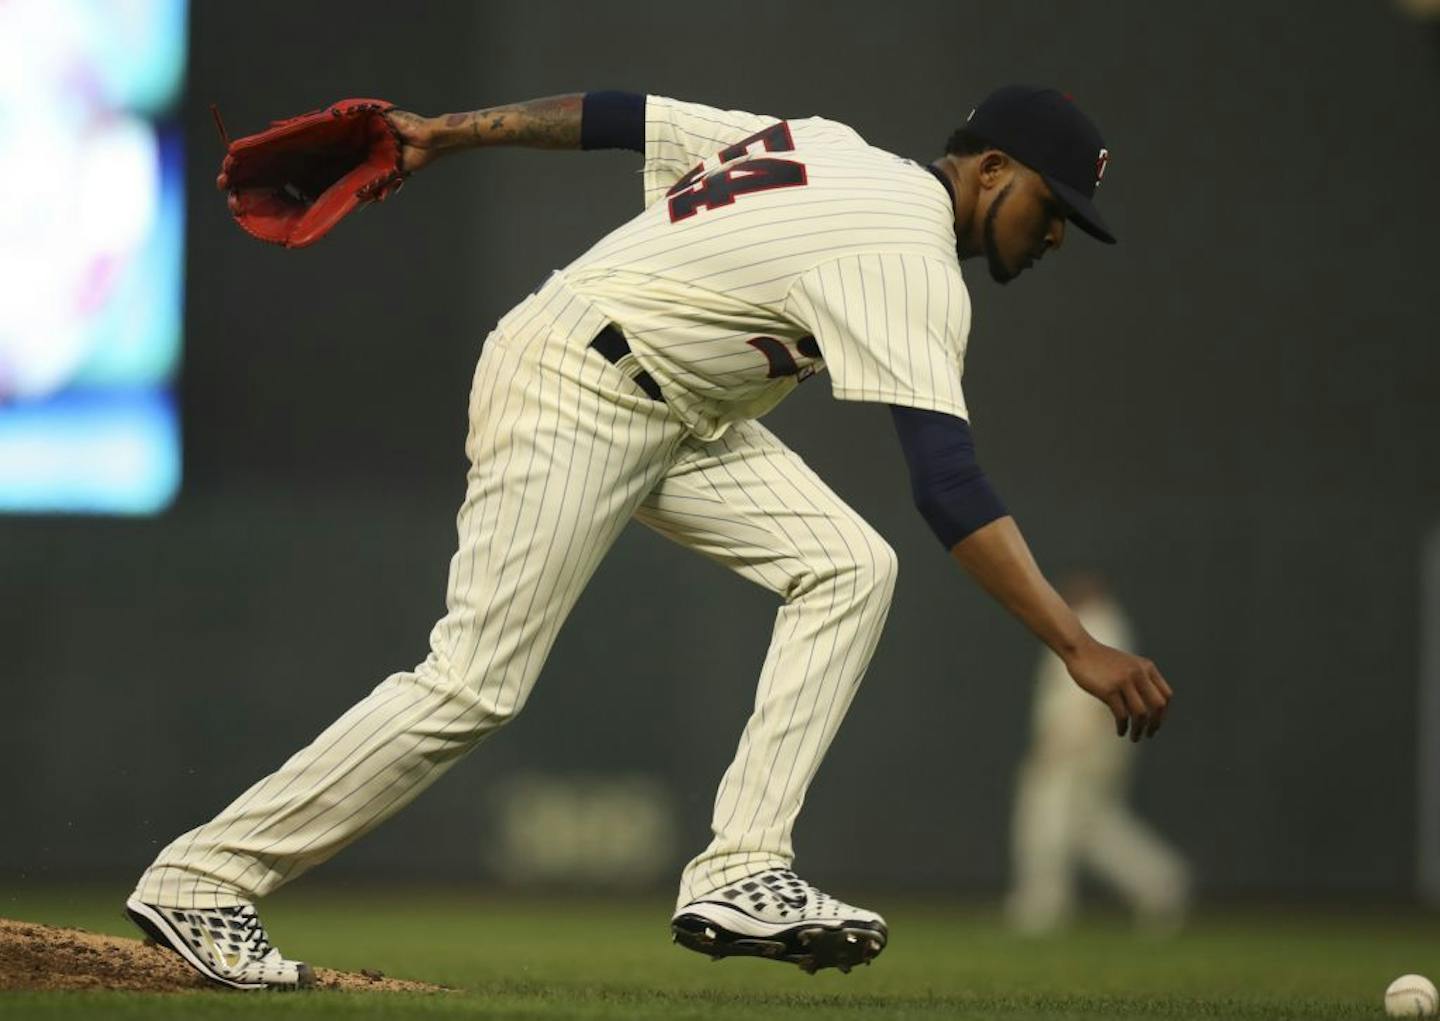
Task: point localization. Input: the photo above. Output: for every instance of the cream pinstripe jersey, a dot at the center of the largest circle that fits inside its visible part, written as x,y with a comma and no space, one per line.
766,243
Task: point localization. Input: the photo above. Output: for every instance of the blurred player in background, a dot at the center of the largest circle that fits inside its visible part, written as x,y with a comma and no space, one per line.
1070,805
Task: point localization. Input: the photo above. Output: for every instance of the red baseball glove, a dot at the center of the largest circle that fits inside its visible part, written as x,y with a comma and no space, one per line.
294,181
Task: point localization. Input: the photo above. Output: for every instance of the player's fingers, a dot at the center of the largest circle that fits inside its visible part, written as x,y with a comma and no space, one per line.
1159,681
1117,710
1160,696
1139,713
1150,692
1159,704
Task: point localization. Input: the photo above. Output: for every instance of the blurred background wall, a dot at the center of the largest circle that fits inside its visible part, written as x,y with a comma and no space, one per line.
1235,412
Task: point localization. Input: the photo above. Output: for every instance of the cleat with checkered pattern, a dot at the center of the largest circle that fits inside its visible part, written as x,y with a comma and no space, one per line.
777,915
226,945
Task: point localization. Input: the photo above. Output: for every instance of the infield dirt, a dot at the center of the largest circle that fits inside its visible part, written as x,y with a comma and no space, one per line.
44,958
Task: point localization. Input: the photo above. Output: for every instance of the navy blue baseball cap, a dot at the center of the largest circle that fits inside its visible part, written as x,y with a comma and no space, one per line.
1046,131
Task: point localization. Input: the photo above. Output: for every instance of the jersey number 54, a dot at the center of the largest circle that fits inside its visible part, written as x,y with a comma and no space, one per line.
698,190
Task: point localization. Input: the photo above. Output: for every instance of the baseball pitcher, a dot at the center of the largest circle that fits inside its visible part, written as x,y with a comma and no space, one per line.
630,386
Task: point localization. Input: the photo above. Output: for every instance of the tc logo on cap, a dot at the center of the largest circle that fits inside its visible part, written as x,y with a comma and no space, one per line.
1101,162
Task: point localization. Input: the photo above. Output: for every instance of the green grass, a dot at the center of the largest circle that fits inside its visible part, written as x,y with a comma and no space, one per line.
551,958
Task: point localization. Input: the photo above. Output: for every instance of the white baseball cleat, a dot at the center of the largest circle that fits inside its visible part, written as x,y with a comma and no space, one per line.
777,915
226,945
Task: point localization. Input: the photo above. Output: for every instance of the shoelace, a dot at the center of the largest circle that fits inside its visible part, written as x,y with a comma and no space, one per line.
788,876
253,933
815,895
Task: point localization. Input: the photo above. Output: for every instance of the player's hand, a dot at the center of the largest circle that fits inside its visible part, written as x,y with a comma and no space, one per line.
1133,689
419,139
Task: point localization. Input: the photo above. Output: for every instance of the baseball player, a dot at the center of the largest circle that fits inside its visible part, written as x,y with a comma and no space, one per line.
629,386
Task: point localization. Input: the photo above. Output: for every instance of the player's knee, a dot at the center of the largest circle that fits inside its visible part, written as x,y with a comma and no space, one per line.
467,699
472,718
483,717
889,567
877,571
490,705
860,572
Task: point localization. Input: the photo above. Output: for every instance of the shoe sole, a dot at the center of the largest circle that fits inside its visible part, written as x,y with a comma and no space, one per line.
810,946
155,925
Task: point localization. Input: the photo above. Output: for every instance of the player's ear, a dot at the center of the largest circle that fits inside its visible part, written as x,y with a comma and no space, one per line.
994,168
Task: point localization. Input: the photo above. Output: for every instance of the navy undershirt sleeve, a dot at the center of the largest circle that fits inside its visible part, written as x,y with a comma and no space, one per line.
613,120
950,490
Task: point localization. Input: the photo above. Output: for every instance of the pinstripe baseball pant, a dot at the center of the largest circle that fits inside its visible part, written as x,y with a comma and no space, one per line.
564,450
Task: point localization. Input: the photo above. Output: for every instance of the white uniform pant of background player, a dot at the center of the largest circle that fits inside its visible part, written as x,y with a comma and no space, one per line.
1070,805
564,450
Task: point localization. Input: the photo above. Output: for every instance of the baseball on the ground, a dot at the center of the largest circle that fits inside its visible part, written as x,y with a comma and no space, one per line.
1411,996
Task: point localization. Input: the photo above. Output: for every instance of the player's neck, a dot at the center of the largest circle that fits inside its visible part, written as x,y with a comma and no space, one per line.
952,172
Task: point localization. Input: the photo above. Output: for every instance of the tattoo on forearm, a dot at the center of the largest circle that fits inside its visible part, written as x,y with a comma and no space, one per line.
549,123
464,120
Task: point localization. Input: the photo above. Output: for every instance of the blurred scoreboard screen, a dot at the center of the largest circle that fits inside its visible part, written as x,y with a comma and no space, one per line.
91,254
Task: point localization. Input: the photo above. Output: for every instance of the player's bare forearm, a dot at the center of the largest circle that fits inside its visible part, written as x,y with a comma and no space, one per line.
997,556
549,123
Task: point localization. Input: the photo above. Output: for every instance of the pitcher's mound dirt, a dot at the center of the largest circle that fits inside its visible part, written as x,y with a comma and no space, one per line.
43,957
